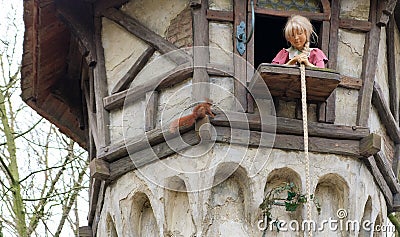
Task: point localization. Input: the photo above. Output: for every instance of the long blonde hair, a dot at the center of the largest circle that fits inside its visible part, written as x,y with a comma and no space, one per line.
297,22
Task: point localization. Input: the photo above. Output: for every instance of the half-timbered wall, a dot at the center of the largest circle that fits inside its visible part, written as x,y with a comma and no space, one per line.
231,207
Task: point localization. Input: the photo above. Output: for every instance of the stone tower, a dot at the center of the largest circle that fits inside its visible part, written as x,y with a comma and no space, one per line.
115,74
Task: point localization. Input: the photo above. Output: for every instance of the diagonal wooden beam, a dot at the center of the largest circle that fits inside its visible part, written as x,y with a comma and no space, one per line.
378,100
136,28
176,75
126,80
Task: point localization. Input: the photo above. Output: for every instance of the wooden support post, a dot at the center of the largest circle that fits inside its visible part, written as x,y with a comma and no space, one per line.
371,52
99,207
151,110
100,89
391,58
201,54
99,169
370,145
99,173
240,78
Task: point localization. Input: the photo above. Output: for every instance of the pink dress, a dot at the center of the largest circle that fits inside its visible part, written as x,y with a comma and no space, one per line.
316,57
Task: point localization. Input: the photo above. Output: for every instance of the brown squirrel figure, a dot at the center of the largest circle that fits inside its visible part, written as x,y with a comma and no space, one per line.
199,112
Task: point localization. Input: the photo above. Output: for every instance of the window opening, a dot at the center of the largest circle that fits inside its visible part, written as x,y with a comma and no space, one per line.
269,38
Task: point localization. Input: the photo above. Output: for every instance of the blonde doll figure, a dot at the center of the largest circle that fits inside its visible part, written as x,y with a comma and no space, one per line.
298,31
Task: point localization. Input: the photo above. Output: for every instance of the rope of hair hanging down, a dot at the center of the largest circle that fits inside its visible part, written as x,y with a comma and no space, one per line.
305,129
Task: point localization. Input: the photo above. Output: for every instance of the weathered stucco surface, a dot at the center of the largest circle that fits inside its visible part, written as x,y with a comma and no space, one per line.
350,53
222,92
121,50
230,208
346,106
155,14
355,9
221,40
381,75
225,5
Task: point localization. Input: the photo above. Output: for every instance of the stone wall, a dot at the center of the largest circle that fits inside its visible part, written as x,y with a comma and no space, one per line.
228,206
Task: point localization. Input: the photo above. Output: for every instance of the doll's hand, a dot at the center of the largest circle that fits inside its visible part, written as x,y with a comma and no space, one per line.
300,59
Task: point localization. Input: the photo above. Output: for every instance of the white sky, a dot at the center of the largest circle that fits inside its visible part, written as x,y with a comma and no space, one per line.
11,12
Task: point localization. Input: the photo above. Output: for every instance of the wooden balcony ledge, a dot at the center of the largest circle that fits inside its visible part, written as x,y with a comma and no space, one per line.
284,82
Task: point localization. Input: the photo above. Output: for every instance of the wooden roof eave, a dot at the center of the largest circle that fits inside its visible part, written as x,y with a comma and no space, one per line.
45,51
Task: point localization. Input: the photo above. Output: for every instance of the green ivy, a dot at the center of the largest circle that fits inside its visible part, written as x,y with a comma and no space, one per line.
293,200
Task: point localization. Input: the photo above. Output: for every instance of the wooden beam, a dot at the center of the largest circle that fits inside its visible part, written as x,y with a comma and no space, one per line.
387,172
91,118
126,80
99,207
370,145
392,77
355,25
350,82
136,28
380,181
93,198
288,142
288,126
201,53
174,76
100,89
392,127
150,138
371,52
99,169
327,110
217,15
239,61
150,110
151,154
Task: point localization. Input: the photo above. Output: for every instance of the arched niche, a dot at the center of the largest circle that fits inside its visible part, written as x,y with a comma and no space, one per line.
377,226
332,192
229,202
179,219
278,178
367,216
111,230
142,217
